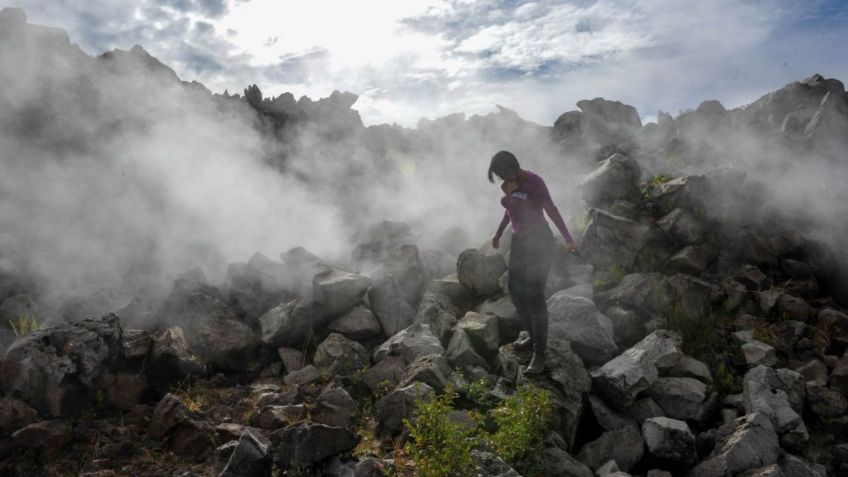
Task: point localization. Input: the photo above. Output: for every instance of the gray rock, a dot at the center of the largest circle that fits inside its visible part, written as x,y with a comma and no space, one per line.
691,259
625,446
558,463
461,353
628,326
168,414
509,324
814,370
337,292
758,353
779,396
389,304
616,177
291,358
645,408
490,465
171,360
345,356
589,332
839,375
273,417
608,418
334,407
359,324
287,325
394,407
432,370
622,379
404,265
751,277
682,226
45,435
669,440
410,343
826,403
691,296
834,320
250,457
480,273
385,375
15,414
212,329
305,375
644,293
613,242
679,365
793,308
681,398
439,312
748,442
482,330
304,444
57,379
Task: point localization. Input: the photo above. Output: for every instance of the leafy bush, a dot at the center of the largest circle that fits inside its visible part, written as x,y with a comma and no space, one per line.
522,421
438,446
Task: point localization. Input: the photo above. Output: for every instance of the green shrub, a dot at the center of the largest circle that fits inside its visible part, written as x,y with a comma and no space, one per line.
522,420
24,325
438,446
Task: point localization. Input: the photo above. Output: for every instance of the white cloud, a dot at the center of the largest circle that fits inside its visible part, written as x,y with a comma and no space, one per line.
434,57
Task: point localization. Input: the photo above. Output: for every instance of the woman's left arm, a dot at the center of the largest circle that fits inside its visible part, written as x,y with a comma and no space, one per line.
552,211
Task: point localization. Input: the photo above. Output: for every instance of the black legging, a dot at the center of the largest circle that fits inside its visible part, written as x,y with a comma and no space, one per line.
530,256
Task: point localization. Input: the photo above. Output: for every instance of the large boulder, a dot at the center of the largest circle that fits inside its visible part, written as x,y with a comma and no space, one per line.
611,242
336,291
747,442
615,178
388,302
392,409
480,273
589,332
59,369
345,356
625,446
648,294
251,456
681,398
212,329
683,227
410,343
669,440
777,395
621,380
301,445
482,330
171,360
461,352
359,324
288,324
439,312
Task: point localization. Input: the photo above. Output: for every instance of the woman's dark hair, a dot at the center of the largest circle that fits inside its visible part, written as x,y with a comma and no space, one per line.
503,163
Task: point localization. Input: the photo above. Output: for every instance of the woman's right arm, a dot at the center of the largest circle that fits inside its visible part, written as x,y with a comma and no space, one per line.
501,228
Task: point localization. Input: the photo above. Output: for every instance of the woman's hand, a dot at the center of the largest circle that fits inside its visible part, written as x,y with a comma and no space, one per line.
572,247
496,242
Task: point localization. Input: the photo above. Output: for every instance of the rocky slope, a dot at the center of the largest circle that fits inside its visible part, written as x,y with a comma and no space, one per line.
700,333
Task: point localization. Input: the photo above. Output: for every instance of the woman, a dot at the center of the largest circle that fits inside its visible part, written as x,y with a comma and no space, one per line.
525,197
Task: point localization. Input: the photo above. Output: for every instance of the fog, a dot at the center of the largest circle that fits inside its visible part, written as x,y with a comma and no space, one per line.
118,175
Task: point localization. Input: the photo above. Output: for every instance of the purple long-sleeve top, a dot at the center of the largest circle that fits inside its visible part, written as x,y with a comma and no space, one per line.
524,207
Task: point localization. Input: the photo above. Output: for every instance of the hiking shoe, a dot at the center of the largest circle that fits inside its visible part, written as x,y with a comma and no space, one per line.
537,365
523,344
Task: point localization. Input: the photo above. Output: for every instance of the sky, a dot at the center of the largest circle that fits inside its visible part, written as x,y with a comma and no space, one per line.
415,59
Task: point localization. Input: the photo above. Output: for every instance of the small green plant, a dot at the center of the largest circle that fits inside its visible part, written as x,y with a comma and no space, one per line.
522,420
478,393
659,179
438,446
725,381
24,325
